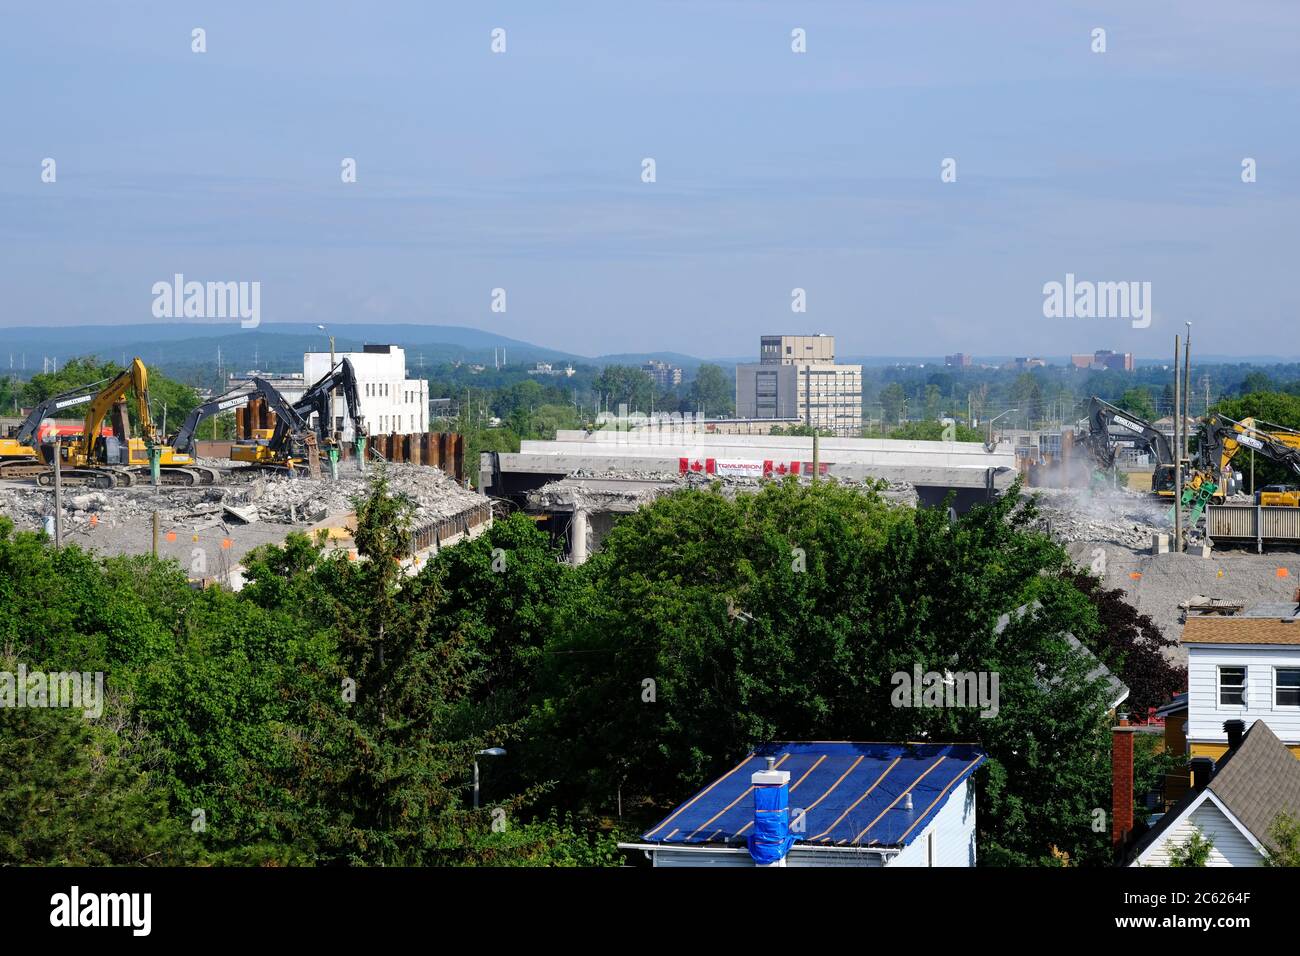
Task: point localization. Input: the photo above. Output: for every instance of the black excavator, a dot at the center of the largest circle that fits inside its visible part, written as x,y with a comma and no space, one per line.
184,440
291,446
317,401
20,455
1101,443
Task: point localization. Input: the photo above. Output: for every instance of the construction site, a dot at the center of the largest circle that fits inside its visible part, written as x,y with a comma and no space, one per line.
114,484
1163,517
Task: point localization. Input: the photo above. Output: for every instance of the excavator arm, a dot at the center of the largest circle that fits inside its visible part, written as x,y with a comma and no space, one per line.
1102,415
30,426
183,443
316,400
134,379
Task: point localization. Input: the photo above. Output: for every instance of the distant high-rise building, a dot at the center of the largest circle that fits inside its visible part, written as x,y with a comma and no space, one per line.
1103,359
664,375
797,377
1024,364
960,360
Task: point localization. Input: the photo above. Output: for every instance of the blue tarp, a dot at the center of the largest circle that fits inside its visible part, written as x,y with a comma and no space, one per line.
849,794
771,839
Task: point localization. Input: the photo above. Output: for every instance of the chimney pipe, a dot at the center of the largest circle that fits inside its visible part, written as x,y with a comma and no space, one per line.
1202,771
1121,783
770,840
1236,730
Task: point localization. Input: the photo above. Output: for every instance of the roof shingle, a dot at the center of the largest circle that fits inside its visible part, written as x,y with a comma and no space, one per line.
1241,630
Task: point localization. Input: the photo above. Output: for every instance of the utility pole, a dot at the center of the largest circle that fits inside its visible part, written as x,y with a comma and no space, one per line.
58,495
1187,384
1178,459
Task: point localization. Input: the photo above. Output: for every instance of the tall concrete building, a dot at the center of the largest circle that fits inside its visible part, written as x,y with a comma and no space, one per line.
797,377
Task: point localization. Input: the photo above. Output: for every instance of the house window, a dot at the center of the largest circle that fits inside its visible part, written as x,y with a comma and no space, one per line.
1232,686
929,848
1286,687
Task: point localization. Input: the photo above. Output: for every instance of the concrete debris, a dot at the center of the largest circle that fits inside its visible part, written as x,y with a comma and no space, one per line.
243,515
244,498
1110,515
644,486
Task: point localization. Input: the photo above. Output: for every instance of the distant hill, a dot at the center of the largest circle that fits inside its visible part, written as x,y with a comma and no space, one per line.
278,346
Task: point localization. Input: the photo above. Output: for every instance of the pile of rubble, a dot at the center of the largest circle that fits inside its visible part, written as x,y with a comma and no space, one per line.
1111,515
644,486
242,499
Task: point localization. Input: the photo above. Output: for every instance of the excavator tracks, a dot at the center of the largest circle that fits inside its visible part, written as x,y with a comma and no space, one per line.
127,477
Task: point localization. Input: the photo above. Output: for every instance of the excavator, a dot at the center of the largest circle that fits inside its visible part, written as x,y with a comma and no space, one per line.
317,401
106,461
1102,415
288,446
292,446
1278,443
20,454
183,442
1211,476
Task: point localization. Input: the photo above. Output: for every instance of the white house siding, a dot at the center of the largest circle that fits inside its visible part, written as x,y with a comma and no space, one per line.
954,842
1206,716
1231,848
953,830
798,857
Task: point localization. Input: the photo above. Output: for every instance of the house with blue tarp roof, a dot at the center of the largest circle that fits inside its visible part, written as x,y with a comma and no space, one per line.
828,803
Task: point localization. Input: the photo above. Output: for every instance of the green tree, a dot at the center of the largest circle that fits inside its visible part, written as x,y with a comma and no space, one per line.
1194,851
168,399
712,392
1138,401
892,398
624,385
784,615
933,398
1284,841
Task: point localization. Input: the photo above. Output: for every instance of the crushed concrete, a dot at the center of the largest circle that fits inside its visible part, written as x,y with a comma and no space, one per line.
1110,515
243,499
627,490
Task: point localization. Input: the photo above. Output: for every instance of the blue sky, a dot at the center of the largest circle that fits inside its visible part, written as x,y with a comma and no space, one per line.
775,170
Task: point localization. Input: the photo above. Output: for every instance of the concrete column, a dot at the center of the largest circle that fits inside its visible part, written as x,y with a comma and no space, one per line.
578,537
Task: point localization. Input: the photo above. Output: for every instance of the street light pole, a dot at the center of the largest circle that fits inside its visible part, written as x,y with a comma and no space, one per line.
1009,411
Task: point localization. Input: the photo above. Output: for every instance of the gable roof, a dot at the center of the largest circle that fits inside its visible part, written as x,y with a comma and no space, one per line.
1241,630
1261,780
1254,783
1177,705
1116,690
851,793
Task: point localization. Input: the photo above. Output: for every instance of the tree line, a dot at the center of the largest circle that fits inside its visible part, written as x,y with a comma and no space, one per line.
329,713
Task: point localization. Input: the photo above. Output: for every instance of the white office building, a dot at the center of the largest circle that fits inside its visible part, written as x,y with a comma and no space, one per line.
390,402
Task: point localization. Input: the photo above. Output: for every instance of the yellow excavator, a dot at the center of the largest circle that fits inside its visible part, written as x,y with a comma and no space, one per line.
1282,445
106,461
